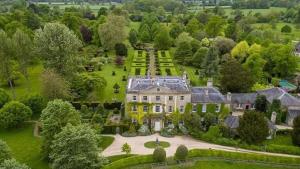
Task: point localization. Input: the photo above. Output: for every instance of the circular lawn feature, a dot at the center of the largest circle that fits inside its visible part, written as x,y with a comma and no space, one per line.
153,144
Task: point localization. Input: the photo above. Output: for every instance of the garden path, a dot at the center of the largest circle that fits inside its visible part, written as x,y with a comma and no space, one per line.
152,67
137,145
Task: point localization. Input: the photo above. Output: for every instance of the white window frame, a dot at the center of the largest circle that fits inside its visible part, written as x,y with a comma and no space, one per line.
171,98
145,98
181,109
134,98
145,106
157,98
218,108
157,106
181,98
204,108
170,109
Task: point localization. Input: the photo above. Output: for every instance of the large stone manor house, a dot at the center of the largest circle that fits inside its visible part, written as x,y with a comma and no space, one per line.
162,95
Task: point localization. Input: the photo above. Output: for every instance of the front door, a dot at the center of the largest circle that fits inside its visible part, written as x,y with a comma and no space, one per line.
157,126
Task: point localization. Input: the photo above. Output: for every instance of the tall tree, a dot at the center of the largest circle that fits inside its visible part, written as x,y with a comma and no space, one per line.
149,27
76,147
183,53
193,26
133,39
54,117
58,46
215,26
261,103
210,64
253,128
112,31
163,40
240,51
235,78
24,47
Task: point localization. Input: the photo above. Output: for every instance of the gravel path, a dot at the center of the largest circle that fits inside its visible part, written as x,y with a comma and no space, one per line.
137,145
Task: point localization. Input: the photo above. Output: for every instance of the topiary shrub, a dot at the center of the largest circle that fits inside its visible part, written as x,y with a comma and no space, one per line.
181,152
159,155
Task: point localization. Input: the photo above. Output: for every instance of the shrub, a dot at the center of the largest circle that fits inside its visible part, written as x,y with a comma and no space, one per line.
126,148
286,29
159,154
144,130
121,49
296,131
14,114
4,97
181,152
113,73
130,161
36,103
13,164
4,151
169,131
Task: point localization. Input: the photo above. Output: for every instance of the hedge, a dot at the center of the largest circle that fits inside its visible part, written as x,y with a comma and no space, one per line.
130,161
243,156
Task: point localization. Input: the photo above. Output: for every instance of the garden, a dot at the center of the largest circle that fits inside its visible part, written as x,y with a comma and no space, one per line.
164,64
139,64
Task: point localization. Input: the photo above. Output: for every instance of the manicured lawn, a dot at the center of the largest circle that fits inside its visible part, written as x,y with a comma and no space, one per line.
24,87
281,140
225,165
118,157
153,144
106,141
24,146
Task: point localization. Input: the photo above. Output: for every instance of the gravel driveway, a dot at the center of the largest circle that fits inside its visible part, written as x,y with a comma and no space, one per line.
137,145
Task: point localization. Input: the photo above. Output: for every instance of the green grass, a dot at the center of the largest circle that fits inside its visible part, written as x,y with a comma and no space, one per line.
24,87
119,157
106,142
225,165
153,144
281,140
24,146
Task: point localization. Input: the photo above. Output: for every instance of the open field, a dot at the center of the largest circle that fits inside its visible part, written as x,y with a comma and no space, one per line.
24,146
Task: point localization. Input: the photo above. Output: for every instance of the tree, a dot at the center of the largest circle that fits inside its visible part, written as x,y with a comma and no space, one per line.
286,29
116,88
193,26
5,152
162,39
224,45
240,51
76,147
232,31
58,46
183,52
119,60
126,148
276,107
114,25
148,28
199,56
86,34
4,97
14,114
31,20
296,131
215,26
181,152
54,117
255,63
54,86
176,30
253,127
121,49
8,66
102,11
159,154
235,78
13,164
261,103
36,103
133,39
23,54
210,64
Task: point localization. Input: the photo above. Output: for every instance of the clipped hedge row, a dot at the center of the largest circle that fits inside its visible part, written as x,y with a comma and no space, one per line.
243,156
130,161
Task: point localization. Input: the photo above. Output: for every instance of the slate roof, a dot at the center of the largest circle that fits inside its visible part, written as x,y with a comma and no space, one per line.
232,122
285,98
207,95
177,84
293,113
243,98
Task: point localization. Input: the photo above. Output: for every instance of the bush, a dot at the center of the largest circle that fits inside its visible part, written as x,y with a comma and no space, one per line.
169,131
296,131
286,29
144,130
36,103
181,152
4,151
159,154
4,97
131,132
14,114
121,49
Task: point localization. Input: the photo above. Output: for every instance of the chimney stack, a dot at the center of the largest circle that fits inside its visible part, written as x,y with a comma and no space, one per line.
209,82
228,97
